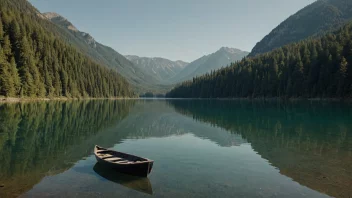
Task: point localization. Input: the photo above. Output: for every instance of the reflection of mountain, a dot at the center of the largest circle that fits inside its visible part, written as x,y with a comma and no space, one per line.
157,119
311,143
45,138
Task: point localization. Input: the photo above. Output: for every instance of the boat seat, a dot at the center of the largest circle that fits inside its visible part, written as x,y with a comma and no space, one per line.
114,159
107,156
123,162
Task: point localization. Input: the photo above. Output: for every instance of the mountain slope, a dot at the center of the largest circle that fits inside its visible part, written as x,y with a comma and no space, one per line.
221,58
35,63
163,69
314,20
101,53
313,68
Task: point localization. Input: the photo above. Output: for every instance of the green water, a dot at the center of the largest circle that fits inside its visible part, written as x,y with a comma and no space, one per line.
201,148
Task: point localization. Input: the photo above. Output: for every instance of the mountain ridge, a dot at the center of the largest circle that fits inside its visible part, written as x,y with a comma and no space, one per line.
316,19
207,63
103,54
162,68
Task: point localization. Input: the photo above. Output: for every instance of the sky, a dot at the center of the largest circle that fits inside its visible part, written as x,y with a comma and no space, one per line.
174,29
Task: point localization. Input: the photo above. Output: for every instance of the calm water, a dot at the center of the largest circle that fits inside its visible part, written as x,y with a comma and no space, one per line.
201,148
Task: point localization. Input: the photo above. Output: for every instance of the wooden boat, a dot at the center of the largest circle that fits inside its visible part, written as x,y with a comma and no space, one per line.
140,184
123,162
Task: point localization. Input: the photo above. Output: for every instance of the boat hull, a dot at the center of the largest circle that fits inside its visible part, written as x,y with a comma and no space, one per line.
136,169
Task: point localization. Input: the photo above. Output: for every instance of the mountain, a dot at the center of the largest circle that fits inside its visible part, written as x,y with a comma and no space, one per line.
163,69
221,58
312,68
36,63
100,53
314,20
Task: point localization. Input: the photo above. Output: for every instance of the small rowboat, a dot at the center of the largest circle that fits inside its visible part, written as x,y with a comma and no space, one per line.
123,162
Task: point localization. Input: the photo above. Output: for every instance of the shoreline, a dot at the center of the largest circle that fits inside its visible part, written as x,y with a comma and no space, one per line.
272,99
14,100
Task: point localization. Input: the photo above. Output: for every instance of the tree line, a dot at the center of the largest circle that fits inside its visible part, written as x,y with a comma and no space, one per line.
36,63
313,68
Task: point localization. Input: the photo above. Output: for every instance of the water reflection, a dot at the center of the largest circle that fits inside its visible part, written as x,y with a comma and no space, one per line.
141,184
218,146
311,142
45,138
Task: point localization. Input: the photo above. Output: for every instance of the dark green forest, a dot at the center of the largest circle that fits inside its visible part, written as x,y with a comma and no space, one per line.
36,63
313,68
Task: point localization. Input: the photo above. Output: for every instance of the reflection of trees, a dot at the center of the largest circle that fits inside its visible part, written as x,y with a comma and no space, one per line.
309,142
35,138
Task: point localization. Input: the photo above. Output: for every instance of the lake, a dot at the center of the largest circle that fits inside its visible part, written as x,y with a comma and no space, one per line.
201,148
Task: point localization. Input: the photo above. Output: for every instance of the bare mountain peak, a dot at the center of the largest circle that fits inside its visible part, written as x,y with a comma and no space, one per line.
89,39
131,57
230,50
57,18
221,58
51,15
63,22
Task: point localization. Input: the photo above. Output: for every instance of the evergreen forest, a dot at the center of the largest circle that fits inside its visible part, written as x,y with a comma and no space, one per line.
313,68
36,63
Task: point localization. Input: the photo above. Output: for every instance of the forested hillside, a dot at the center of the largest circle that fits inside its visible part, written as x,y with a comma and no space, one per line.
311,68
104,55
36,63
316,19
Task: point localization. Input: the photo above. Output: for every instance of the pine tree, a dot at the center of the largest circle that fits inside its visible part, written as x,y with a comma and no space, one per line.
7,47
14,74
342,74
6,82
15,38
1,32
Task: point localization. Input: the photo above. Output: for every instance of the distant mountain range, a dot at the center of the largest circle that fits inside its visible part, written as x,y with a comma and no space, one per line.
170,72
221,58
145,74
314,20
102,54
162,69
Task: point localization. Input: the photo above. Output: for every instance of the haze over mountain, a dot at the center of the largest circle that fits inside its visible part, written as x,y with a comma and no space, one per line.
103,54
313,20
162,69
221,58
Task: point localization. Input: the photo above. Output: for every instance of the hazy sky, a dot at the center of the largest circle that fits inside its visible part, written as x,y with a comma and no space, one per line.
174,29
